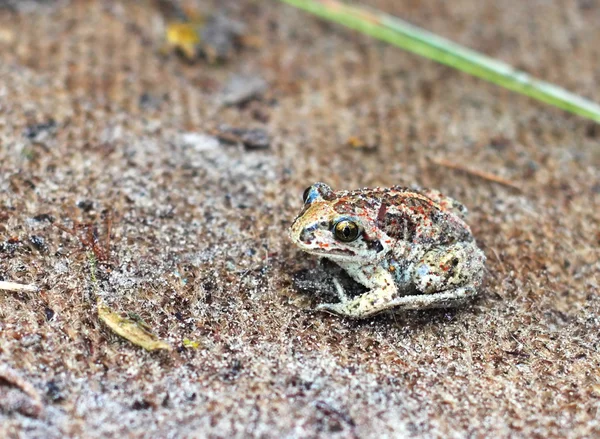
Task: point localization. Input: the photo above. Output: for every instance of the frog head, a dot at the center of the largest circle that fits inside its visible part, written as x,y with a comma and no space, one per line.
340,226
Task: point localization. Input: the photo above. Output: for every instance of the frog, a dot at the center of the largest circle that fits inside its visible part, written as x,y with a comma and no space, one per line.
411,248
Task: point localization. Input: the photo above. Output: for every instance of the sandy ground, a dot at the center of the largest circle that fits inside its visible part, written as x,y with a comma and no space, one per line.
107,145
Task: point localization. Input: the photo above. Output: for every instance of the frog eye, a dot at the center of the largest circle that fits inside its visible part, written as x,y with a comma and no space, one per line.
306,194
318,191
346,230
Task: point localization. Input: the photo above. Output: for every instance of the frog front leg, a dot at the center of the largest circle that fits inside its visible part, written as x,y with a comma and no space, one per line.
444,277
387,298
379,298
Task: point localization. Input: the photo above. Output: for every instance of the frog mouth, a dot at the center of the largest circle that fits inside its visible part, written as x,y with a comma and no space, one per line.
306,240
342,253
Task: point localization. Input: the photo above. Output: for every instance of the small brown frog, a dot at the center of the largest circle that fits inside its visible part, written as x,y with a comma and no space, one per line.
411,248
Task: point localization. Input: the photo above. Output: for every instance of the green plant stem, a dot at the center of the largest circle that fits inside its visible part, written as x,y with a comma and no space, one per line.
412,38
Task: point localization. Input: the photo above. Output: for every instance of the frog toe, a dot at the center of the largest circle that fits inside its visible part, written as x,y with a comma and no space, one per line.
335,308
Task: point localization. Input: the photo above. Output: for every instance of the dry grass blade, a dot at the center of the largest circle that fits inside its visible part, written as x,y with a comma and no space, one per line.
414,39
18,288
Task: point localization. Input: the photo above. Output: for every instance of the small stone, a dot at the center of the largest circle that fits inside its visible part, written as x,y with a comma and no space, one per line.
219,37
49,313
86,205
38,243
199,141
242,89
54,391
251,138
44,217
37,131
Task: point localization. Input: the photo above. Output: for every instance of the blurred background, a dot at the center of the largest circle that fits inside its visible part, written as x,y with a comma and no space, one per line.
153,155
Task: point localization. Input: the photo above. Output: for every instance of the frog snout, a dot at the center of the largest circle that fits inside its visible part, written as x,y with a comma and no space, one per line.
301,234
307,235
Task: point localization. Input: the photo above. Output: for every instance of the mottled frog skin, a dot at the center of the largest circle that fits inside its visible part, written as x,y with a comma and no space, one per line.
411,248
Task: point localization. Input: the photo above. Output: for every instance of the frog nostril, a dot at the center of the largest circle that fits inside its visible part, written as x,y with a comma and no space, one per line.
307,235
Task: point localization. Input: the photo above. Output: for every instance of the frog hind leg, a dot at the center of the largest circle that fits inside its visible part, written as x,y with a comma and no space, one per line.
376,301
445,277
443,299
448,268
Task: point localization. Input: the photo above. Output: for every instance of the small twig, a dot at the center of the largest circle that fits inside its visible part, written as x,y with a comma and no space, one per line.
476,172
13,286
92,261
504,270
108,231
11,378
89,238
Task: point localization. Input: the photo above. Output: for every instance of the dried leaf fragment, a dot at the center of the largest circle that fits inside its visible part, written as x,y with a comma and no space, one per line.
358,143
183,36
216,37
191,344
131,330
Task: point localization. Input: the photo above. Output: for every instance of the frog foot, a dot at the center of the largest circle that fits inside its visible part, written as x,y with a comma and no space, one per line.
339,289
334,308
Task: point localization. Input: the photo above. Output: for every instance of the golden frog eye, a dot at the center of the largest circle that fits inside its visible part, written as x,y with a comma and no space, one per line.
346,230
